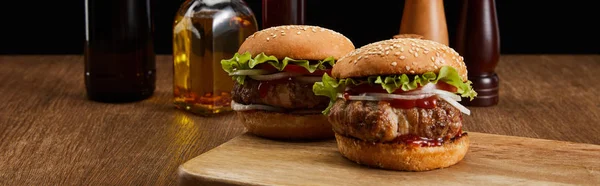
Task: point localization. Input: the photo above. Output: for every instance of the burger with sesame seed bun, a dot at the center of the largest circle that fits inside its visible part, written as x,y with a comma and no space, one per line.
274,71
394,104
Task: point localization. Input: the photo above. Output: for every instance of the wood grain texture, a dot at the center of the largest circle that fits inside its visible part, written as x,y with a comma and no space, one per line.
50,134
491,160
544,96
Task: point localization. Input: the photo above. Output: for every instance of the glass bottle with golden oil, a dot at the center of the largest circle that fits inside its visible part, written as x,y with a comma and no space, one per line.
204,33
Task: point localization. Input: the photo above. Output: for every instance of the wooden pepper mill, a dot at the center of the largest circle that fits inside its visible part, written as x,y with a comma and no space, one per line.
425,18
478,41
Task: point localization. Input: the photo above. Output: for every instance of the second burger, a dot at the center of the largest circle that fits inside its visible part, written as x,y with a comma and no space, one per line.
274,70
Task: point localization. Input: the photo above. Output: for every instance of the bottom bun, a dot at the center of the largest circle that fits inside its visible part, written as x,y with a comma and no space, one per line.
286,126
401,157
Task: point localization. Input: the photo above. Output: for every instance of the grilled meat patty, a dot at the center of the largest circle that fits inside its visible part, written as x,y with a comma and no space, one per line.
377,121
288,95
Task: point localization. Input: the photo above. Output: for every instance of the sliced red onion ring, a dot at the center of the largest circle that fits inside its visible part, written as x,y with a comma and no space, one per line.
452,95
456,104
308,79
399,96
360,98
241,107
249,72
275,76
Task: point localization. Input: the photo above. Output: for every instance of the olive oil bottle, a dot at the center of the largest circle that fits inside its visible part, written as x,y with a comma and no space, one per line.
204,33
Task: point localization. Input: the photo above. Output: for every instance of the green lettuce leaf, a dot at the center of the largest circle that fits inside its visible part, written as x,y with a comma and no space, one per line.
330,87
246,62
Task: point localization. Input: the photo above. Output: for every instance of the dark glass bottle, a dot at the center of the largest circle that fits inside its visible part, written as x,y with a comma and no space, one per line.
282,12
119,50
478,41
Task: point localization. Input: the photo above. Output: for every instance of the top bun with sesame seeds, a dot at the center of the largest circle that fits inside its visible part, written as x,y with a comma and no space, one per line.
298,42
410,56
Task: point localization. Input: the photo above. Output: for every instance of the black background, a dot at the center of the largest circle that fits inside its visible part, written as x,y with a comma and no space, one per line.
526,27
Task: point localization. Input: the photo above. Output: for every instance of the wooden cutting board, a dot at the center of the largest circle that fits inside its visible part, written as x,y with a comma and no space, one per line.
491,160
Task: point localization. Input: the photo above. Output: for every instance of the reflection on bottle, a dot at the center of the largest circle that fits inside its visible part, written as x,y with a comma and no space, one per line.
119,50
204,33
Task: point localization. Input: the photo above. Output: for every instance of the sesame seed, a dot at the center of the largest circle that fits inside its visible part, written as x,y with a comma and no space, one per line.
432,58
314,30
268,39
387,52
407,68
402,57
283,34
298,32
401,49
397,53
322,29
416,54
425,51
386,48
394,63
366,57
412,71
437,54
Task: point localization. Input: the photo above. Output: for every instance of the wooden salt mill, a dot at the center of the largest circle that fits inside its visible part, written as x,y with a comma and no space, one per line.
425,18
478,41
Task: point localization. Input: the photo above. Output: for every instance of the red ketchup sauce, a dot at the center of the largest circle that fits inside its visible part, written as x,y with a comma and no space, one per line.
427,103
416,141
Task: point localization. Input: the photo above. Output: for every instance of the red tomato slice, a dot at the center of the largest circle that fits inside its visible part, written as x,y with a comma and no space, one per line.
295,69
265,66
445,86
366,88
321,72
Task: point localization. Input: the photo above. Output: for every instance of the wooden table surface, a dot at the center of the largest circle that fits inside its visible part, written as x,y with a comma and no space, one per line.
51,135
